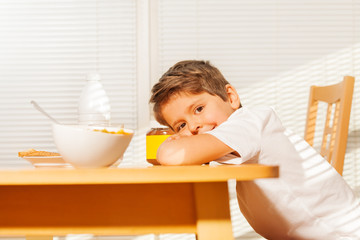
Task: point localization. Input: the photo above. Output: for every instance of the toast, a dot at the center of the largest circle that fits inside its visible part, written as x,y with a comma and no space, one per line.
32,153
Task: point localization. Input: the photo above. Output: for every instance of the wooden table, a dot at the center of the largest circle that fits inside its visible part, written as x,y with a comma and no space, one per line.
122,201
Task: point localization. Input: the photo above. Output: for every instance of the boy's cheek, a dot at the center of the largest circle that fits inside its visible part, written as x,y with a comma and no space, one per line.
185,133
179,135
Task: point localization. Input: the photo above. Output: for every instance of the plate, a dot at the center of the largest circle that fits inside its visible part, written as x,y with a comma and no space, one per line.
48,161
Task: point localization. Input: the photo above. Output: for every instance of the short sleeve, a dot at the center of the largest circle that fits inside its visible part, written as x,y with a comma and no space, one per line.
242,132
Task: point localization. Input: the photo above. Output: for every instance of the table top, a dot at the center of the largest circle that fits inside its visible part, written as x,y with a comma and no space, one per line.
135,175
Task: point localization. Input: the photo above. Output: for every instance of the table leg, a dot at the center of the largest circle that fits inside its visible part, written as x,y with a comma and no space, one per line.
213,211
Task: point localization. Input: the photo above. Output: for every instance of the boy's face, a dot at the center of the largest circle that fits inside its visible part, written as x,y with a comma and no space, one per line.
191,114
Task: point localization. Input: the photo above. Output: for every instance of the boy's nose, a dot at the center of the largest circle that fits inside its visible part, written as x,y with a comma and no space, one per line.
194,129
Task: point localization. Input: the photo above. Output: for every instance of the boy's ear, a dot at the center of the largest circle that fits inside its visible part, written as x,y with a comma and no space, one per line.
233,96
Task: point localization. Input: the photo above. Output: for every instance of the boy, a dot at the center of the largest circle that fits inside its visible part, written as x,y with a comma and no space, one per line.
309,200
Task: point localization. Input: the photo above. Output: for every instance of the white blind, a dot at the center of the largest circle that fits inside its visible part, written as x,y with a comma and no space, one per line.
46,49
271,51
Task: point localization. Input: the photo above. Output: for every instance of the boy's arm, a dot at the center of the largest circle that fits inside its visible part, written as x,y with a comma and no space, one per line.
191,150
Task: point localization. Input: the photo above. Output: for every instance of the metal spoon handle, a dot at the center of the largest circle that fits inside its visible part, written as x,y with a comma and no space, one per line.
43,111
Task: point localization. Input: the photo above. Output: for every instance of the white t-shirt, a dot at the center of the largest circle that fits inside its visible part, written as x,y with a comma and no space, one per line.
309,200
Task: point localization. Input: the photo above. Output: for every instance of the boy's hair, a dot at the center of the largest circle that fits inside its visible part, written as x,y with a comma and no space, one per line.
190,76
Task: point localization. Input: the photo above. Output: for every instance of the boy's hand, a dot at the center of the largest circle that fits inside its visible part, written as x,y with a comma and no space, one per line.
176,136
173,137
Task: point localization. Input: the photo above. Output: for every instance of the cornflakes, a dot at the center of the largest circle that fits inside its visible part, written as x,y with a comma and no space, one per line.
121,131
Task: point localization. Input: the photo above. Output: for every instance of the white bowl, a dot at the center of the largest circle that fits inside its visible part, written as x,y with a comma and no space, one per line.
83,147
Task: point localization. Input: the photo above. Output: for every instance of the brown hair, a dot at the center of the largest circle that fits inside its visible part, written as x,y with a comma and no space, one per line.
190,76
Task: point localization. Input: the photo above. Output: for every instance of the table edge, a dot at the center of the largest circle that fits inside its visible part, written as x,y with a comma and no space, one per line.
134,175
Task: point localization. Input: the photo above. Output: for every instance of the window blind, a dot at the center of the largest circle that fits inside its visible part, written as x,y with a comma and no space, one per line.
47,48
272,51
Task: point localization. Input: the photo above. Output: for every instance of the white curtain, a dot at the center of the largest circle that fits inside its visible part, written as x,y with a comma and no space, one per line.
46,49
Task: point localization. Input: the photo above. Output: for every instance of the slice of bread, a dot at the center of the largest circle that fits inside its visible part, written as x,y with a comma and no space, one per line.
32,153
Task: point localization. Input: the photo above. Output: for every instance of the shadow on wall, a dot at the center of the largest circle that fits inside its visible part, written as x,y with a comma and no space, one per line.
354,134
288,93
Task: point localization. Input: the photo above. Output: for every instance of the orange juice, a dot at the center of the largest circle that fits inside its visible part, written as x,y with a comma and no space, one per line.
154,138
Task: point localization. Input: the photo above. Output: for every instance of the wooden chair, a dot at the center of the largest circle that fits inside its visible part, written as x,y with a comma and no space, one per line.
335,133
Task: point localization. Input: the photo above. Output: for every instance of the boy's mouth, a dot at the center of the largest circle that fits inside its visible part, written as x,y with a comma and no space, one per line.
207,128
212,128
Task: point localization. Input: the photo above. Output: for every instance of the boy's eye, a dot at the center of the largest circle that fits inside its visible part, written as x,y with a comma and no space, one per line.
181,126
199,109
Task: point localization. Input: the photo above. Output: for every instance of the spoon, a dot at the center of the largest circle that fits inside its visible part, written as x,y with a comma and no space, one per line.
37,107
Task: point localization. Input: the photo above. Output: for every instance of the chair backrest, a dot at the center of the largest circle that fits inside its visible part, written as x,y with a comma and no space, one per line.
339,99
